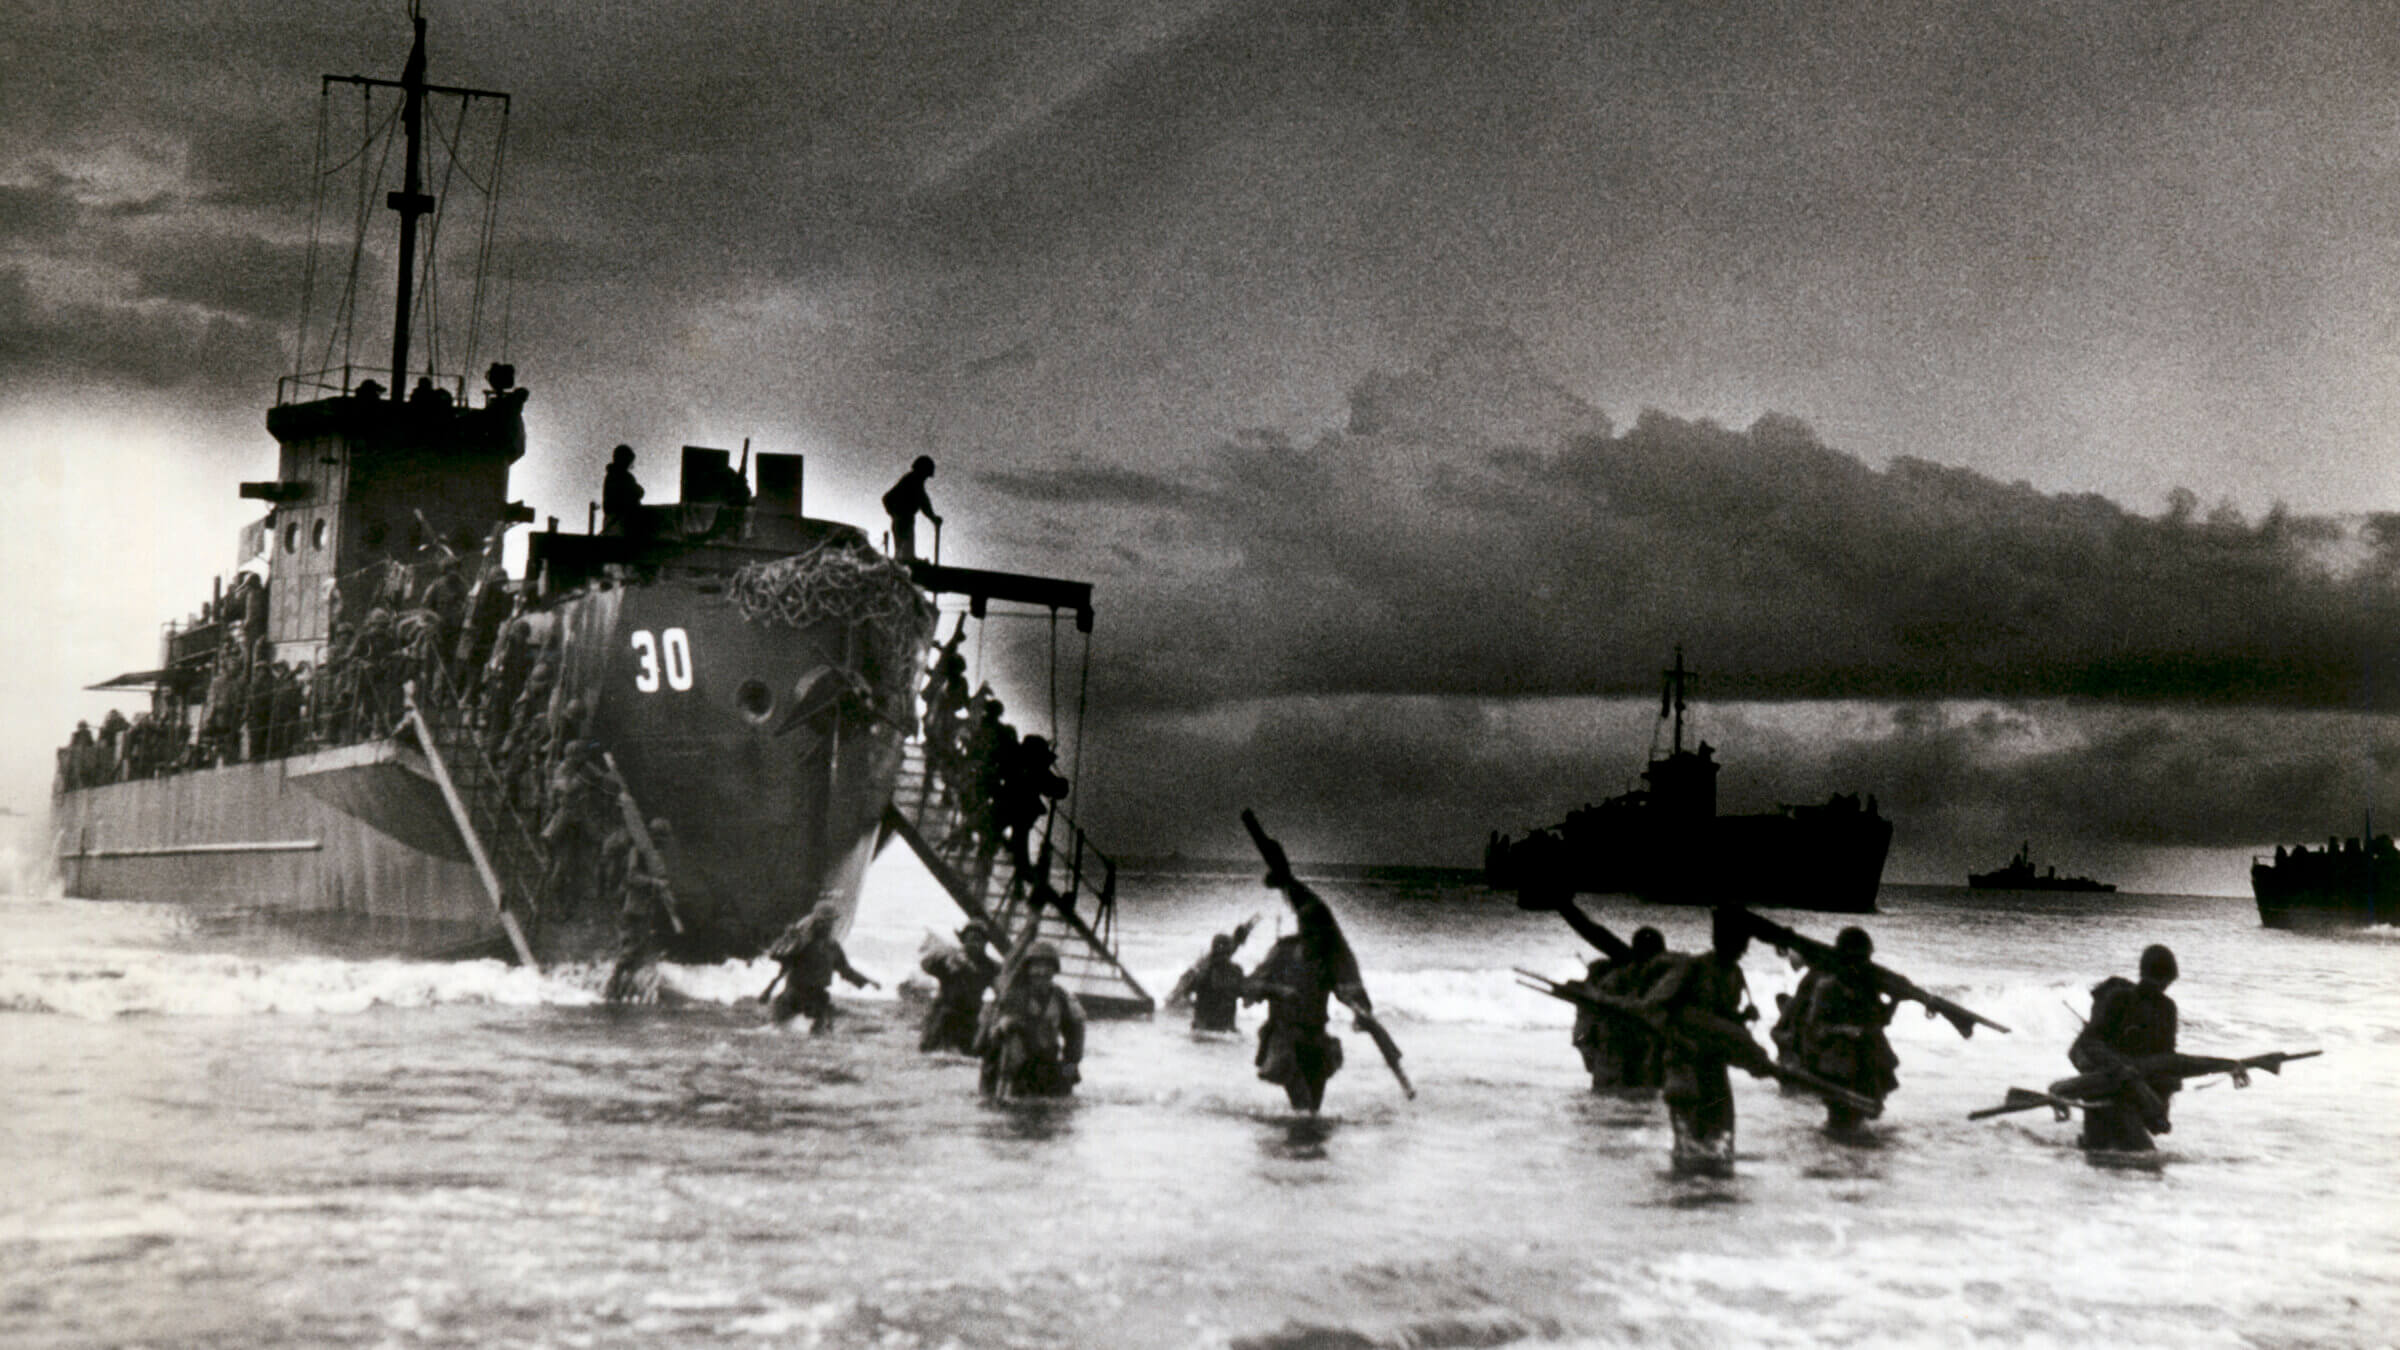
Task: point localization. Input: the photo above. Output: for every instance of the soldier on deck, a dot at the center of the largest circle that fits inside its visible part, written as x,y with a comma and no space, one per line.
113,729
904,502
620,494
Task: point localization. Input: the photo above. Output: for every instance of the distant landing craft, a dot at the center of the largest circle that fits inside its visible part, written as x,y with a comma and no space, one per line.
1665,842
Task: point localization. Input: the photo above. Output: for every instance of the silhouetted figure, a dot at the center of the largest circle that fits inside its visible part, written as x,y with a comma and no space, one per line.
905,502
1028,784
2129,1020
1698,1089
428,397
1298,975
620,495
1839,1017
1618,1052
946,700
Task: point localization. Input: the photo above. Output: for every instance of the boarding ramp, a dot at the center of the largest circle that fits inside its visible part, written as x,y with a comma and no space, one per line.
930,812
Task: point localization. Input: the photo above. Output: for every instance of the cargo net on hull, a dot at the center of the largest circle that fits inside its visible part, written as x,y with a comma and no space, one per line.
845,582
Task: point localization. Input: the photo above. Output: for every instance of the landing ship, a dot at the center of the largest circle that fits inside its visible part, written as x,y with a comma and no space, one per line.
359,740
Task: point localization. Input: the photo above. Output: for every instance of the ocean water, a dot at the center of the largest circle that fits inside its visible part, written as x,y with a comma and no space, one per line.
212,1145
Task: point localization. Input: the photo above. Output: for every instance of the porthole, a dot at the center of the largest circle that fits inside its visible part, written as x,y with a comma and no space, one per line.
316,535
756,701
291,537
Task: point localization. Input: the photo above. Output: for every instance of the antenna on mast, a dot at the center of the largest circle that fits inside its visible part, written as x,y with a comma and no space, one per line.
411,201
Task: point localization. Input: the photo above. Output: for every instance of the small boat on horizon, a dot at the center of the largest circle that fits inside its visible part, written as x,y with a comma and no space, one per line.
2019,875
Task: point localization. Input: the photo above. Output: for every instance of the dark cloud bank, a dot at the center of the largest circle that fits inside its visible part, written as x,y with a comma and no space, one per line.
1366,626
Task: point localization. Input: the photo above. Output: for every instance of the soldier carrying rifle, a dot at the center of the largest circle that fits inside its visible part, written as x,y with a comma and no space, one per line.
1295,980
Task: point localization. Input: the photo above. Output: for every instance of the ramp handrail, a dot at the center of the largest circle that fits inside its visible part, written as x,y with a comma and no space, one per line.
466,826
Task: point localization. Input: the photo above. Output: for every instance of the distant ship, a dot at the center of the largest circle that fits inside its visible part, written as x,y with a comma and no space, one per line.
2342,885
364,738
2019,875
1665,842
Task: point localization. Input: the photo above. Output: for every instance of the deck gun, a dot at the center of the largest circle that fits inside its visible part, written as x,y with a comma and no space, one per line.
1821,955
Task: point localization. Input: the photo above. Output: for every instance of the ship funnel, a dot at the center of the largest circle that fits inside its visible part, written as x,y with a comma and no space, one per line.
705,472
779,484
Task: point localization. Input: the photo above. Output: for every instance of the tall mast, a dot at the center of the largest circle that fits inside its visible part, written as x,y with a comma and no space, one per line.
1675,696
411,202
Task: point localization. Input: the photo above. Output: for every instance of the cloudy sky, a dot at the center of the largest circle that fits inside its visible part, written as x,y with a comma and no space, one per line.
1997,402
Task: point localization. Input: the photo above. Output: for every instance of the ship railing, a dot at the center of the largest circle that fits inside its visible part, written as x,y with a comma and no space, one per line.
308,386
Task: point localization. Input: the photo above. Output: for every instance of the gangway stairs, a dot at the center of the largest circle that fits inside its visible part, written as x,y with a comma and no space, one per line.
498,840
925,810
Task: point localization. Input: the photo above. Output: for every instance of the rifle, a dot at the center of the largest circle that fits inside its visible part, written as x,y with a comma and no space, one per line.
2178,1067
2084,1091
1707,1032
640,832
1887,981
1279,867
1279,875
2026,1099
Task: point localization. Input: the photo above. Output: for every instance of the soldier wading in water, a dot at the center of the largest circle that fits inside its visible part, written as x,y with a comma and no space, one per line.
810,956
960,978
1032,1035
1295,979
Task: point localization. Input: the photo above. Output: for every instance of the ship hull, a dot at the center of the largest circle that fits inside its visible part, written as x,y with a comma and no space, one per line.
2370,896
774,805
248,842
1819,859
1832,867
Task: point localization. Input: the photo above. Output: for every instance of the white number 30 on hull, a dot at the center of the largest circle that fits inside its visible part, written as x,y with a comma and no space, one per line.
672,648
